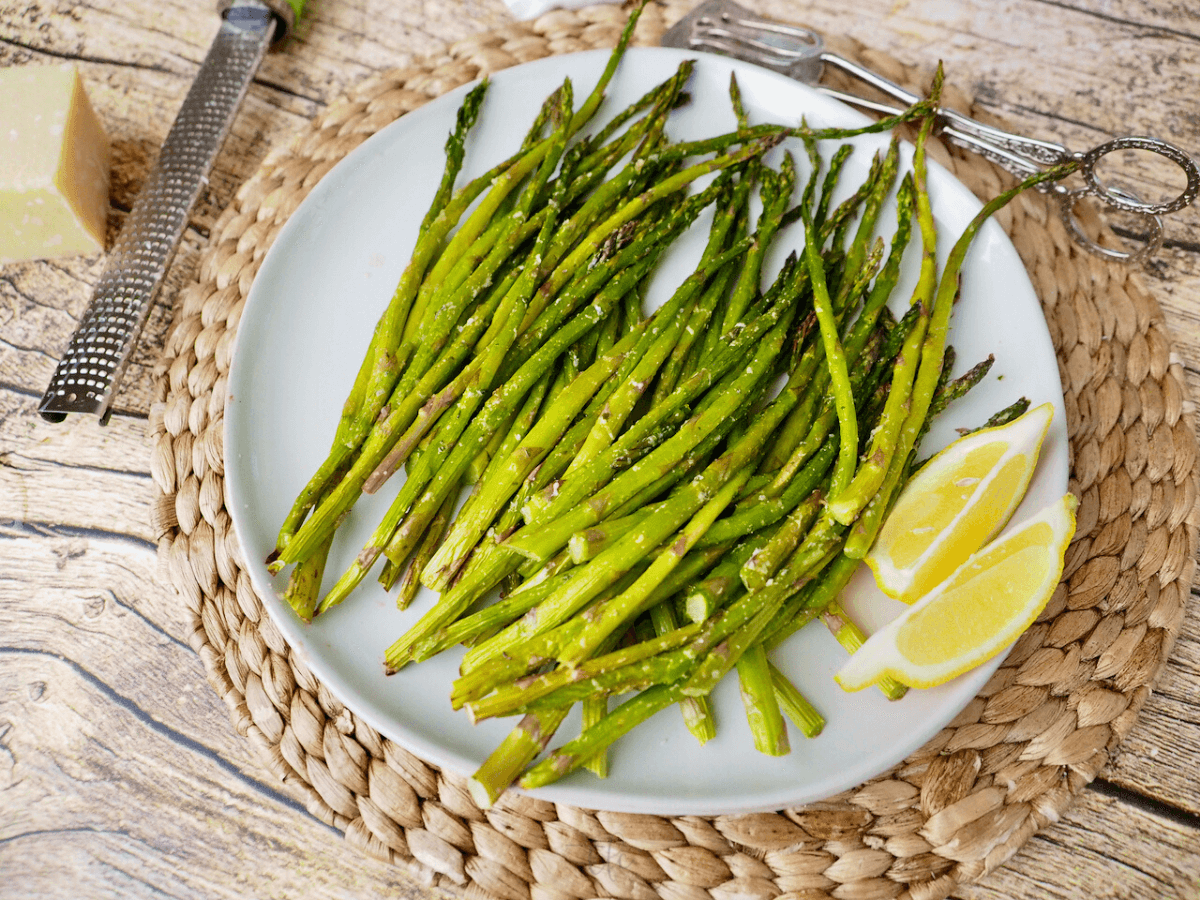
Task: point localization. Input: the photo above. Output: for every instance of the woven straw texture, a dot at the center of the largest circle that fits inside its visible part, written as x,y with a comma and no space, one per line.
1041,729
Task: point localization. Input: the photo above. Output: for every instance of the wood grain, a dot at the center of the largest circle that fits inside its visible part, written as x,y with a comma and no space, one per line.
1090,855
120,774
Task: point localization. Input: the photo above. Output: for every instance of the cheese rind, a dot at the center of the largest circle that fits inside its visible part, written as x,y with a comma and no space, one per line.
54,165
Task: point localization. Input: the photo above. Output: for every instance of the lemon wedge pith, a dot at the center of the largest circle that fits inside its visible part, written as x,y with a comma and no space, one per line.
979,610
955,504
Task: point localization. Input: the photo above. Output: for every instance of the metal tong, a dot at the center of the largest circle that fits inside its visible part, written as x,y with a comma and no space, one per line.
723,27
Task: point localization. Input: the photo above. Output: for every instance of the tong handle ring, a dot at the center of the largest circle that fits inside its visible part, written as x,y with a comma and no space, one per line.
1151,239
1123,200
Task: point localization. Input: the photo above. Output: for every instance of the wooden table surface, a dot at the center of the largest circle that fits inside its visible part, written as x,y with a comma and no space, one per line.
120,773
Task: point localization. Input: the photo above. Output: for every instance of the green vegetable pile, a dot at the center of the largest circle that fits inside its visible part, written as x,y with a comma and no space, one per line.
652,509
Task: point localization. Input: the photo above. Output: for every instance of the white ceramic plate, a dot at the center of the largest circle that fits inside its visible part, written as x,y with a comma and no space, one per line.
305,328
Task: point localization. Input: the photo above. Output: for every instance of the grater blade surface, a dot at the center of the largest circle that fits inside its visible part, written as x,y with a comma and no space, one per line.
91,369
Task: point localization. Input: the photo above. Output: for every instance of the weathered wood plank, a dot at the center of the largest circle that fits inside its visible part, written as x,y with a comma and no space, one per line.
118,766
120,774
94,477
99,602
1158,756
1104,849
101,799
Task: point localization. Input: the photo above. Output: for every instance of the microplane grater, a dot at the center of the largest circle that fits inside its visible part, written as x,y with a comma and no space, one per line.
99,352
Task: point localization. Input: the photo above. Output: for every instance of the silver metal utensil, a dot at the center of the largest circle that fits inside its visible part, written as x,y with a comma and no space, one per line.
724,27
92,367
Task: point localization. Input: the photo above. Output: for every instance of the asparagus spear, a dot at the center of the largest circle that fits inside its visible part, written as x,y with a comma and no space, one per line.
518,749
929,371
848,500
723,582
802,713
409,580
696,711
851,637
763,712
621,609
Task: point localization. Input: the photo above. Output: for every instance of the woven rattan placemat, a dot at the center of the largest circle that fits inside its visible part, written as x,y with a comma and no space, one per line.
1041,729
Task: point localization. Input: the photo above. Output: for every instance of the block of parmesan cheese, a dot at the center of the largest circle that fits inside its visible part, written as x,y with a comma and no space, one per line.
54,165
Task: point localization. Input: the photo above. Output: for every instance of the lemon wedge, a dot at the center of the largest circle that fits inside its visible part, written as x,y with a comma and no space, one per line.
955,504
976,612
